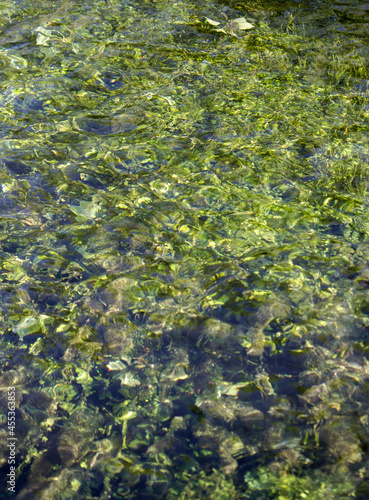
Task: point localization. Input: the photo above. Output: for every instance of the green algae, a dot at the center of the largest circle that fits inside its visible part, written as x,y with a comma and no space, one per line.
184,250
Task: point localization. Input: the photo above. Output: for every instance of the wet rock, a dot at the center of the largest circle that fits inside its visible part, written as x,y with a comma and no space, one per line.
357,11
341,442
256,340
16,167
248,415
217,410
280,409
119,339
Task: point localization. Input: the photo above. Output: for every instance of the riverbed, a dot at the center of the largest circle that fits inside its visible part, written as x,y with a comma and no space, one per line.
184,249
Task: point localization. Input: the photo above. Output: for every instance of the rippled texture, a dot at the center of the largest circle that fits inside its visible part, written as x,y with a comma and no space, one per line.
184,249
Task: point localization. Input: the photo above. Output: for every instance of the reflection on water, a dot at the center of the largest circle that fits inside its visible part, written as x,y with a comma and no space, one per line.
184,249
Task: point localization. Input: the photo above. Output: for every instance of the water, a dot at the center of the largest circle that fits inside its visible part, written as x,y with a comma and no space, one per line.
184,250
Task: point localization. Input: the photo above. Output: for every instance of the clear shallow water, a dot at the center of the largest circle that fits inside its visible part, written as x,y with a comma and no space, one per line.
184,250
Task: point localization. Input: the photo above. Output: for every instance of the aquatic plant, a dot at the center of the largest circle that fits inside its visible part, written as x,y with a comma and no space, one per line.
183,250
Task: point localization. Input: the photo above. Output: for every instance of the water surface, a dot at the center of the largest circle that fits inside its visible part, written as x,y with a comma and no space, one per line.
184,249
